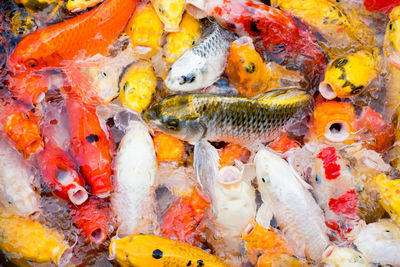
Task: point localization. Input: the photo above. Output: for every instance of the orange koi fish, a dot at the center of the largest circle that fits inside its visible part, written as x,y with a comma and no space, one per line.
168,148
91,145
21,126
92,219
231,152
283,144
78,38
333,122
185,220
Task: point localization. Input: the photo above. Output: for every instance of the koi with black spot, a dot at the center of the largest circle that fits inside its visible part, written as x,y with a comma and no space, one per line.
153,251
285,40
91,145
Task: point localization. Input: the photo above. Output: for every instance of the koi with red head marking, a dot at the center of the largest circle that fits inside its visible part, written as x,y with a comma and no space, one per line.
185,221
91,145
286,40
78,38
329,157
21,126
92,219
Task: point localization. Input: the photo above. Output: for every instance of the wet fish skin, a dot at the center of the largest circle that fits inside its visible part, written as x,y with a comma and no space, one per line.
203,64
228,118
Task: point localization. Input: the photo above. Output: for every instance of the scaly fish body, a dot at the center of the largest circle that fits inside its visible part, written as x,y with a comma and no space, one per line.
154,251
228,118
349,75
203,64
183,40
340,28
135,167
294,208
379,242
170,13
272,29
32,240
16,178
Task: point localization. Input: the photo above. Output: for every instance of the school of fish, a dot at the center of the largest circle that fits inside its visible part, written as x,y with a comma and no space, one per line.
200,133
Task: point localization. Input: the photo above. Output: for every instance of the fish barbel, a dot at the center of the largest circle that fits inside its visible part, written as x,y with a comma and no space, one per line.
234,119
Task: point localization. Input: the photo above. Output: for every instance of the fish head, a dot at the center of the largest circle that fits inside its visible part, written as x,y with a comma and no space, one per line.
176,116
266,162
186,74
29,55
392,38
170,13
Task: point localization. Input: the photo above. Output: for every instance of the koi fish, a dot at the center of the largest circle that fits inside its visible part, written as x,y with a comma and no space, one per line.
28,87
204,63
246,69
92,217
186,219
232,152
341,256
91,145
266,260
137,86
145,30
154,251
16,190
389,196
333,122
168,148
170,13
263,241
32,241
285,40
76,38
384,6
21,126
186,38
135,183
379,242
341,29
294,208
349,75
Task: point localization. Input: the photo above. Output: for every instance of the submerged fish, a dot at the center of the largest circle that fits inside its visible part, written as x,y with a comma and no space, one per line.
292,205
228,118
170,13
154,251
203,64
32,241
16,178
135,167
342,256
380,242
384,6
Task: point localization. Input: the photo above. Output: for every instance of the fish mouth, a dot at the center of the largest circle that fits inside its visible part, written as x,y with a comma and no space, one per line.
337,131
326,90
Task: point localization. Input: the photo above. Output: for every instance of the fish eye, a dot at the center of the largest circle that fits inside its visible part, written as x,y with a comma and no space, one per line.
162,10
187,79
31,63
250,68
390,26
102,74
172,124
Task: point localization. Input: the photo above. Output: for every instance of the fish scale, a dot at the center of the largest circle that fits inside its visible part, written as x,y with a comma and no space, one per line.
229,118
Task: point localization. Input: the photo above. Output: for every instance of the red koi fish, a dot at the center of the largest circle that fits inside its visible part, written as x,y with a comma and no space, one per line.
374,132
284,39
58,168
185,220
91,145
283,144
21,126
383,6
78,38
92,219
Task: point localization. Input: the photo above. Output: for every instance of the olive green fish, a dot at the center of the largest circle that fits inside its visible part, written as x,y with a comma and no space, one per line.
196,117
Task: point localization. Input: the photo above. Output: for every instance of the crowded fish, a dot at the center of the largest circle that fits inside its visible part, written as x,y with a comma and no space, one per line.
199,133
